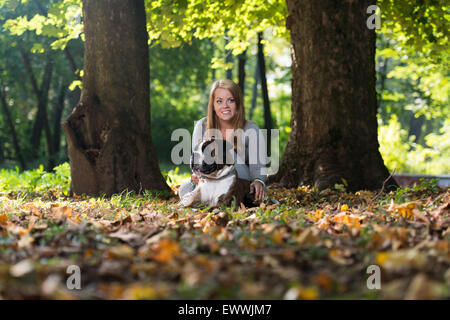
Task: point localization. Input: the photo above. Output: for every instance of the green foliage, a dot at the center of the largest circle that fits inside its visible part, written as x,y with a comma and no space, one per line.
188,51
401,153
62,22
174,177
40,181
425,186
36,180
179,90
413,87
172,22
419,24
414,83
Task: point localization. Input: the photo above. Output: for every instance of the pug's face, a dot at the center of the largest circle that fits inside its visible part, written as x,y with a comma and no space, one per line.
211,156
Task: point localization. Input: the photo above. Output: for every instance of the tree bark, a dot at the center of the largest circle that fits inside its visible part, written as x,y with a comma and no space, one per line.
268,121
108,133
334,101
11,128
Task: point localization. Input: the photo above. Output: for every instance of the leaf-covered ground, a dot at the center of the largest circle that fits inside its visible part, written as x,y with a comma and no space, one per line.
308,245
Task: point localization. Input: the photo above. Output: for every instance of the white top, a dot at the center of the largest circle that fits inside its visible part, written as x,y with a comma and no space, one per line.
254,166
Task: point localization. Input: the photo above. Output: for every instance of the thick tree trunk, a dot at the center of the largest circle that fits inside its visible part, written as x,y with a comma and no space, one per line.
334,102
108,133
268,122
242,58
11,128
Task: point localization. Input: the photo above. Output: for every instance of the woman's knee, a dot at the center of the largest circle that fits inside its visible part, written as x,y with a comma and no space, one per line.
185,188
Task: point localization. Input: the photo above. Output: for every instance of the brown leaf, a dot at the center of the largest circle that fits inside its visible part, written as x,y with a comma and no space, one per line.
120,252
3,219
61,213
421,288
127,236
308,236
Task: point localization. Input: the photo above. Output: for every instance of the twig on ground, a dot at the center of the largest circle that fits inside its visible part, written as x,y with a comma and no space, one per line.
384,183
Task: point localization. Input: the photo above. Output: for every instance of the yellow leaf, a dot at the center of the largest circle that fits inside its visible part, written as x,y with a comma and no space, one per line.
277,236
344,207
315,216
165,251
309,293
381,258
303,293
401,259
139,292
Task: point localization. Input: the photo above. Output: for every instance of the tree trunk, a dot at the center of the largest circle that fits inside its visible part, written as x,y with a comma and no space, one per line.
334,101
415,126
228,59
255,90
108,133
268,122
241,71
382,75
42,101
43,92
11,128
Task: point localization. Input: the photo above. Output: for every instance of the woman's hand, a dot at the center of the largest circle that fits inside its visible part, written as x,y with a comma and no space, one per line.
194,178
258,189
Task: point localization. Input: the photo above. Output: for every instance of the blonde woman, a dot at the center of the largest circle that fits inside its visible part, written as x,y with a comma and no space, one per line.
226,114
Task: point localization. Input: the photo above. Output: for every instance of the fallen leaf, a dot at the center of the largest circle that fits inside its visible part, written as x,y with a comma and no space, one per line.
165,251
401,259
308,236
3,219
120,252
22,268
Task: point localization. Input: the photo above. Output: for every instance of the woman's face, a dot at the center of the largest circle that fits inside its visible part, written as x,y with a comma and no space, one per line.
224,104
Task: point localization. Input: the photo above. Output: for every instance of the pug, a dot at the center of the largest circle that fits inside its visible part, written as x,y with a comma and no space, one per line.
213,162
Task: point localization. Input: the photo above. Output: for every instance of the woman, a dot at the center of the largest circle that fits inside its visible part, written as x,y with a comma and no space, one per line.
226,113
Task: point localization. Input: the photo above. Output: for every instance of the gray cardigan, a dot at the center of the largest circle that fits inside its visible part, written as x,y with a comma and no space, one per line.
250,172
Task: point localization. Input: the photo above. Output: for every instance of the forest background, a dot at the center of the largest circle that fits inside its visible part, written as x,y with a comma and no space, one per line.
41,49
